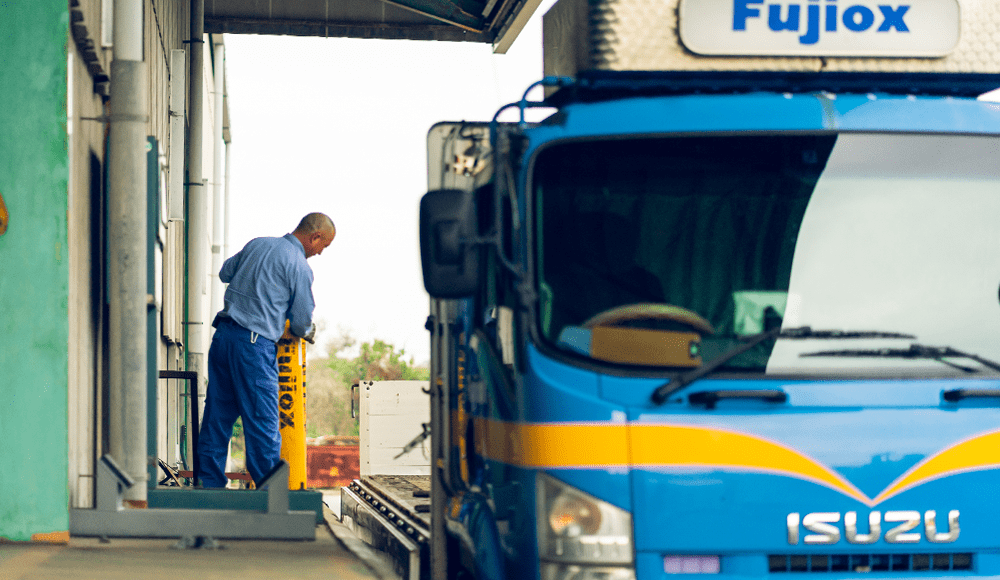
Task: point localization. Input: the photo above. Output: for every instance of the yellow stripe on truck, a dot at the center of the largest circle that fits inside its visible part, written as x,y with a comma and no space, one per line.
975,454
683,446
607,445
542,445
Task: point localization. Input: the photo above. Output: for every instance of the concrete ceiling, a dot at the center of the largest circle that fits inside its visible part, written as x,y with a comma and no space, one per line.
497,22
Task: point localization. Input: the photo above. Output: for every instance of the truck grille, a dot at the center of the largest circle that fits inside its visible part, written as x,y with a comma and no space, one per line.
862,563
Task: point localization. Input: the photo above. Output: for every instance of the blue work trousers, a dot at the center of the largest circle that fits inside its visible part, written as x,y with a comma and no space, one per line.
242,382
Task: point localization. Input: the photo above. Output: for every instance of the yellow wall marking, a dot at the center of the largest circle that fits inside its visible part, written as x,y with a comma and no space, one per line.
51,537
4,216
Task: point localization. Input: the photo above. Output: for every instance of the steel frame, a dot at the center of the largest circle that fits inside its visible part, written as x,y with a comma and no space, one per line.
110,519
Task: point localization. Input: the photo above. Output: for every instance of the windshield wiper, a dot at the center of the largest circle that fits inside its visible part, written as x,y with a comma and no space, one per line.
916,351
665,390
710,398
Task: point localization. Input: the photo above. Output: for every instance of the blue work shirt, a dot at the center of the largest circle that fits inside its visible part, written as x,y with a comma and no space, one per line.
269,282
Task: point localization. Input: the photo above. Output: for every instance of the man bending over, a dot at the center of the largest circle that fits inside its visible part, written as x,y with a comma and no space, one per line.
269,283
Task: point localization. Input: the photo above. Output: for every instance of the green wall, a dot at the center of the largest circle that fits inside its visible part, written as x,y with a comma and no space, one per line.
34,273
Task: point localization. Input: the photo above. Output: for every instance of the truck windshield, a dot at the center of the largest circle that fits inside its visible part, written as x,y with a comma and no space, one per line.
667,252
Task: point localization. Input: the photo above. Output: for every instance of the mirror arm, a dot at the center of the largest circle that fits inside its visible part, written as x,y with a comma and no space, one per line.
526,292
495,242
499,193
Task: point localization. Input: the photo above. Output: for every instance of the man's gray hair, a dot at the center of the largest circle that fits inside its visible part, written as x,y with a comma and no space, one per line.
315,222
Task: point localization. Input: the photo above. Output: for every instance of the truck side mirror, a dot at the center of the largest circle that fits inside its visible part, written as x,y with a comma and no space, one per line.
448,236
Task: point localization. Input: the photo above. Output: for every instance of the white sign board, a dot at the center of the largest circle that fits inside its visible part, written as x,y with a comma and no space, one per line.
816,28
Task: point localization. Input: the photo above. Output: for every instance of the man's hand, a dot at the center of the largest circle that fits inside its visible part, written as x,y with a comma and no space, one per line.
310,336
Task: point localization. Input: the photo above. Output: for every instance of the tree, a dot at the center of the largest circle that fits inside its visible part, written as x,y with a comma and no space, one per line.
377,361
328,390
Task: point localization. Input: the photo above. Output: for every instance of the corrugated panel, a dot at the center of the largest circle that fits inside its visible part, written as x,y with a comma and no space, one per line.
978,49
641,35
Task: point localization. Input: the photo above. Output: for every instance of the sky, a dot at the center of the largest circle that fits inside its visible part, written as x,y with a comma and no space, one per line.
339,126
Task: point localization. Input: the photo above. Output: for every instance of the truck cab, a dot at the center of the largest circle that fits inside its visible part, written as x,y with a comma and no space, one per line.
732,308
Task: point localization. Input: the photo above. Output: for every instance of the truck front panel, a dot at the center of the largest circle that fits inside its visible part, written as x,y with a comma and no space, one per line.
860,436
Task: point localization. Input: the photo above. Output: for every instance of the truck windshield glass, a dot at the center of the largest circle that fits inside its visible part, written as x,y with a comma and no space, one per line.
667,252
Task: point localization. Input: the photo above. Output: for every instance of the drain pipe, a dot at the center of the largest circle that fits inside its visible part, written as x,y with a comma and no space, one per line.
127,249
227,136
198,216
218,177
225,204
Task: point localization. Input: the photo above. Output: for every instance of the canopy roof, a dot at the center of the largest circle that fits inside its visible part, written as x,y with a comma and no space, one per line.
490,21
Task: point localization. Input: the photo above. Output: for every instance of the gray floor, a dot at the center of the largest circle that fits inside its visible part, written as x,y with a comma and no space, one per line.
88,558
331,497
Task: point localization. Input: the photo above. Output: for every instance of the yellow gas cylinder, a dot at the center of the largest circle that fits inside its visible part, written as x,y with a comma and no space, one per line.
292,408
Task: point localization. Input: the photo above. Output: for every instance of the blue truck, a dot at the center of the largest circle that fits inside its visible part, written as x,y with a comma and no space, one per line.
730,310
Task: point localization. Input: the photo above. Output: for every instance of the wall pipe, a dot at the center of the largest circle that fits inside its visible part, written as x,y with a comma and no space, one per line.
227,137
218,177
127,248
225,204
198,208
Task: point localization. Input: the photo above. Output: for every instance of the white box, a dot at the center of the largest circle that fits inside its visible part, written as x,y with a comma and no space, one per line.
392,413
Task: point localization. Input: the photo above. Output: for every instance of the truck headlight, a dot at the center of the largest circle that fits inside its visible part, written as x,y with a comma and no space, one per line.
580,536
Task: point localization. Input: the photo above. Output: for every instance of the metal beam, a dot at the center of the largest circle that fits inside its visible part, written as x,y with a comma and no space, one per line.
110,519
445,11
512,24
